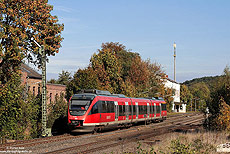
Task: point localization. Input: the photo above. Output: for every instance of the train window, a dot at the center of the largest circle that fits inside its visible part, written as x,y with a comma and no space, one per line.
158,109
97,107
94,109
151,109
121,110
145,109
110,105
134,109
142,109
163,106
104,107
130,109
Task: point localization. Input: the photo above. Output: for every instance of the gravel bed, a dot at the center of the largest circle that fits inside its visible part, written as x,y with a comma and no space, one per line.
89,138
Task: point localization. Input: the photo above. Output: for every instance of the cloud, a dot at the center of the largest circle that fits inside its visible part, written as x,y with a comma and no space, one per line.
63,9
71,65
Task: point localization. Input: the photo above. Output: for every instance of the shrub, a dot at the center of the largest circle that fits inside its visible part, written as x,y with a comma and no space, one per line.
57,115
223,118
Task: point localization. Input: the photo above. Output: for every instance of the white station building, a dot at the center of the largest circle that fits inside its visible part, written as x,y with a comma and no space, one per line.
177,106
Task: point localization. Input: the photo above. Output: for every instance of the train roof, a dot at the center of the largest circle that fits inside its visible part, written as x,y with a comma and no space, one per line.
100,93
96,91
91,93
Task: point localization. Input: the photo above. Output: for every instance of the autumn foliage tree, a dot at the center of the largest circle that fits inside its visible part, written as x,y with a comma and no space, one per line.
118,70
20,20
107,69
223,117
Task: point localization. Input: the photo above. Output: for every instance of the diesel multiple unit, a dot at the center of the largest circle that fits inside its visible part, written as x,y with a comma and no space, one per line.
94,110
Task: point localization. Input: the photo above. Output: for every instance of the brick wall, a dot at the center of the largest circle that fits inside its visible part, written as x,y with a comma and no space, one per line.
34,86
54,90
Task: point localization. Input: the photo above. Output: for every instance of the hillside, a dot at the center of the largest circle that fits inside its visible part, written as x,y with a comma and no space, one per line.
210,81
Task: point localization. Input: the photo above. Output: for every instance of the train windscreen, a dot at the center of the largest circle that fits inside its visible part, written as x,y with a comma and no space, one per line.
79,107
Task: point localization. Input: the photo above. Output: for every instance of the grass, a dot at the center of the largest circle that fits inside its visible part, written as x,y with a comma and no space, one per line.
181,143
202,142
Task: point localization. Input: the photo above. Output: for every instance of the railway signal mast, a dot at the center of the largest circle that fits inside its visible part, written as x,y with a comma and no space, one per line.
44,117
174,46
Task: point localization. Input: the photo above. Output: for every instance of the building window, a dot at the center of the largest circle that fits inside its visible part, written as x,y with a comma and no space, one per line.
50,97
39,90
33,90
28,88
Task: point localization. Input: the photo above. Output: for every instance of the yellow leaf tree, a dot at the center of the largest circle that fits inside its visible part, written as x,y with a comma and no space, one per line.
20,20
223,118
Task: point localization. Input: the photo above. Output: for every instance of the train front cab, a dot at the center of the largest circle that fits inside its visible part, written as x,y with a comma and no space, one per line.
104,112
78,109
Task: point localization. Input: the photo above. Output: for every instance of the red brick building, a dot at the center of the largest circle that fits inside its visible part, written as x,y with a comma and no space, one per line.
33,82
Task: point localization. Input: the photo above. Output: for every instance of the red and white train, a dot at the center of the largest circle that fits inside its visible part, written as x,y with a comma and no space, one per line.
94,110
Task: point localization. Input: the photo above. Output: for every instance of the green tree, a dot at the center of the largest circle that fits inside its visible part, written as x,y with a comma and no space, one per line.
82,79
53,81
32,114
64,78
20,20
11,102
200,90
200,93
186,96
57,115
107,68
219,103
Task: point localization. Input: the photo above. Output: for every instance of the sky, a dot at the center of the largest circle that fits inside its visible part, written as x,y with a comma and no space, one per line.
200,29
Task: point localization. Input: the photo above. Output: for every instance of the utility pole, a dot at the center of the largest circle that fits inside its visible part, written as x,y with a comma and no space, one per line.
191,103
44,117
174,46
195,105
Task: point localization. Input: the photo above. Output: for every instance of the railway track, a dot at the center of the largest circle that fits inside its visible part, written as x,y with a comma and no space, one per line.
130,136
101,140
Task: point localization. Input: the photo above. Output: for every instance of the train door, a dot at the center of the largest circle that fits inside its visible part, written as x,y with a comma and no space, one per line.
116,111
148,110
155,109
137,110
131,111
151,110
160,109
127,110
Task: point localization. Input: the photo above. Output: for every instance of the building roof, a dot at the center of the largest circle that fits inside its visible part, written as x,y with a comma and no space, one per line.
56,84
172,81
31,73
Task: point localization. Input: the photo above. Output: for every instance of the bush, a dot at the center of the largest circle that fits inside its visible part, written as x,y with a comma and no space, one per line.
177,147
33,116
223,117
180,145
57,115
11,101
